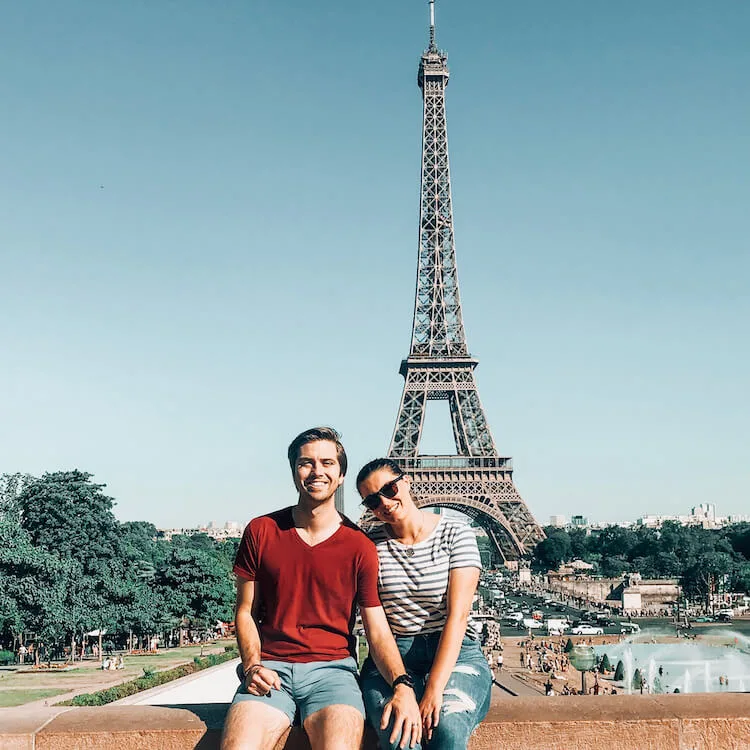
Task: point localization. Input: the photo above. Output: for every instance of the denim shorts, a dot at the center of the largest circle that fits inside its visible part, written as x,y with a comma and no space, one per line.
307,687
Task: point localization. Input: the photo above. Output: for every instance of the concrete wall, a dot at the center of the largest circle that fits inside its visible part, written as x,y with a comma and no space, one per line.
627,722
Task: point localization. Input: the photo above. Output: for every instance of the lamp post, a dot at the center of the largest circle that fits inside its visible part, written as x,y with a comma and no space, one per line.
583,658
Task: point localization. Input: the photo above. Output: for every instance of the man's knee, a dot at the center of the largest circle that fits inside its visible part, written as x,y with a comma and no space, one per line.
251,726
336,727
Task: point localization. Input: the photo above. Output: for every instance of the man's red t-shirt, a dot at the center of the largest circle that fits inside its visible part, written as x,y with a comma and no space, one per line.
307,594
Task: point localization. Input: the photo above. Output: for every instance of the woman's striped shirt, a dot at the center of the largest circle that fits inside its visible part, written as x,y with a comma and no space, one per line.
413,579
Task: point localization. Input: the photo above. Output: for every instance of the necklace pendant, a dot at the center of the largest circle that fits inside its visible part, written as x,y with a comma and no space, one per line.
410,552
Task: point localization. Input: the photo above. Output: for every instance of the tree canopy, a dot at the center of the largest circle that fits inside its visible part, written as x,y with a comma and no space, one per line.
707,561
67,566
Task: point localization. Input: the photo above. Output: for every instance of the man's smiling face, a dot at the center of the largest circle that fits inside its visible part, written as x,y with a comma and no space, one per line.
317,473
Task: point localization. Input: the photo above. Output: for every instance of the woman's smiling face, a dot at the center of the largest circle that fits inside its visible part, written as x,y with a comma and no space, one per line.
391,489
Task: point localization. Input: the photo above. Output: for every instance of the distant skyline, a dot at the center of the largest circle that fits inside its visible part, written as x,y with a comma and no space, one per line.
208,235
555,519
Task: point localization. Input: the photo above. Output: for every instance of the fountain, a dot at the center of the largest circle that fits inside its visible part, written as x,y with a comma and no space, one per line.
686,666
651,675
627,660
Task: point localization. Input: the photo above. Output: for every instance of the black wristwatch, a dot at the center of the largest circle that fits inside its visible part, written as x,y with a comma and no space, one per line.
403,679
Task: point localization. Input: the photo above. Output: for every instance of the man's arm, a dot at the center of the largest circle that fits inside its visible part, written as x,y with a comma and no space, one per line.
258,679
406,718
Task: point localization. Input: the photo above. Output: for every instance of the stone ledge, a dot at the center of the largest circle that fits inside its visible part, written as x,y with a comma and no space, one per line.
623,722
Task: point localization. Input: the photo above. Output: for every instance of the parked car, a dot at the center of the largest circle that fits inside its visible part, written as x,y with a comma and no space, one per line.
556,626
529,623
587,630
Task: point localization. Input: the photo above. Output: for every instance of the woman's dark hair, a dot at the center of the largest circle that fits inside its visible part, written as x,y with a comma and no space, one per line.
311,436
374,465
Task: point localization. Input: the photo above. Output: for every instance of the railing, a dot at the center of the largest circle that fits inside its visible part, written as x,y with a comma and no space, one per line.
456,462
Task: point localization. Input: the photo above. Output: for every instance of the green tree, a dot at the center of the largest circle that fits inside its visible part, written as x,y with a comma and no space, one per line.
579,544
620,671
702,579
613,567
616,542
552,551
604,664
196,584
66,512
741,578
68,516
739,538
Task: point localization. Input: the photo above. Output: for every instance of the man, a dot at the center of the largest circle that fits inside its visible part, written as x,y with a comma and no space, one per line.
300,573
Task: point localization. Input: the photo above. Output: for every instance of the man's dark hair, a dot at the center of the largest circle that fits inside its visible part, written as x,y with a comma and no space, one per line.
310,436
374,465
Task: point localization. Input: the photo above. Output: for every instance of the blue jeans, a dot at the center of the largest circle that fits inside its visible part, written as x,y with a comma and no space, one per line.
466,697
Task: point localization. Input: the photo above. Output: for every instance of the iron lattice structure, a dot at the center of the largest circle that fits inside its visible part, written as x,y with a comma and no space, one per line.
477,481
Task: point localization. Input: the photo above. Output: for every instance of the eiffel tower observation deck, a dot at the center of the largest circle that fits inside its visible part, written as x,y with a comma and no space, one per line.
476,480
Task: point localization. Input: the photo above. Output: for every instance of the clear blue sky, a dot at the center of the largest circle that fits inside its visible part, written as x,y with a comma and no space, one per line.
208,235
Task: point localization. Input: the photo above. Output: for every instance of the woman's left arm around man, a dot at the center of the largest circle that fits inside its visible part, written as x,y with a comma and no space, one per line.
462,584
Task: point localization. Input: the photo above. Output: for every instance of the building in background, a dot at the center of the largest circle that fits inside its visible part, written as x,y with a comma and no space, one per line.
339,499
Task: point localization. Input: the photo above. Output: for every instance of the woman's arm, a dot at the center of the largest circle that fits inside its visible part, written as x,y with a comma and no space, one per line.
462,584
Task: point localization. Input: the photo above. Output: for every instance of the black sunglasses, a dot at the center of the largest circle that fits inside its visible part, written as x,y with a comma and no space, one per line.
388,490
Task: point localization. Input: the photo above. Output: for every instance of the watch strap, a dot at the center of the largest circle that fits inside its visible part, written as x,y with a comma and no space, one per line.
403,679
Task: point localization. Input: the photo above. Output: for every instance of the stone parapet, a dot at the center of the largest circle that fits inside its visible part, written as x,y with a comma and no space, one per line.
623,722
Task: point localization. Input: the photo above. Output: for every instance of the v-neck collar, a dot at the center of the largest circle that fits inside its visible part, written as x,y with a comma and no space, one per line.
306,545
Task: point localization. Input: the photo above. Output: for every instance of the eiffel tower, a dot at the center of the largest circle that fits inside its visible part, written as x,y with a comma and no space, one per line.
476,481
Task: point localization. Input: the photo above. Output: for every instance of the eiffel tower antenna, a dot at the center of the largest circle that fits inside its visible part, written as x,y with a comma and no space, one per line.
432,24
476,479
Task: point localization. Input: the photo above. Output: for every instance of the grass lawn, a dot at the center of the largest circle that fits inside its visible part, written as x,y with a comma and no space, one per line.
10,698
363,651
87,677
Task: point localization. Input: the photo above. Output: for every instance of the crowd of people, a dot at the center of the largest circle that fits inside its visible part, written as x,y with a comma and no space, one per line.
544,655
115,662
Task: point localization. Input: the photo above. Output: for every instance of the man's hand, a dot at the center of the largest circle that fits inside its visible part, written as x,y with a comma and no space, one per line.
260,680
407,721
429,708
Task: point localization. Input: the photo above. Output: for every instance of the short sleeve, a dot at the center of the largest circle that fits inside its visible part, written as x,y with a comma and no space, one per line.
464,549
246,560
367,576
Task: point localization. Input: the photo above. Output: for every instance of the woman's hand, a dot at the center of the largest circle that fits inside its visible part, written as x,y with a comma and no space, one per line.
429,709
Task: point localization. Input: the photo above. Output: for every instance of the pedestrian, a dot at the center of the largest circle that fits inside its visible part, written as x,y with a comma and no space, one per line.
22,651
306,568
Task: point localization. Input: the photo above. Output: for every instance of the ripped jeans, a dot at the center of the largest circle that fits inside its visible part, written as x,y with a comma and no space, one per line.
466,697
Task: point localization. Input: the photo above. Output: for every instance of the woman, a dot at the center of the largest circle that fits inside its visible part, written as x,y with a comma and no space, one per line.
429,570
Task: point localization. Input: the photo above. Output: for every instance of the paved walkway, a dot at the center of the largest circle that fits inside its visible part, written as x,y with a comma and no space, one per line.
212,685
509,684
